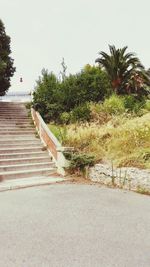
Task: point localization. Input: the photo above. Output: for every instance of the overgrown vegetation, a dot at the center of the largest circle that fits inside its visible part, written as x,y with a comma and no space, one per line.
103,111
66,100
113,133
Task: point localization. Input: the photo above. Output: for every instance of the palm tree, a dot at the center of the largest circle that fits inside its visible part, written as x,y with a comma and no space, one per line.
120,67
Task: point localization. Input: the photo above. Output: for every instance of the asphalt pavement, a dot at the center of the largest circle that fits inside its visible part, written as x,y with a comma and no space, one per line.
74,225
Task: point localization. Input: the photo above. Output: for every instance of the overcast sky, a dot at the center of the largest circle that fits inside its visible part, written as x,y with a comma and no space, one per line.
42,32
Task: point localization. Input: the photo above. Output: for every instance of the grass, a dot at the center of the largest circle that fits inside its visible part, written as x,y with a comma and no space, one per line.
125,140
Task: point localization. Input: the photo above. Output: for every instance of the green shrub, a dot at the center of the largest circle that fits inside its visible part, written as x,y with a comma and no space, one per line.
65,117
129,102
80,113
79,162
132,104
54,97
114,105
147,105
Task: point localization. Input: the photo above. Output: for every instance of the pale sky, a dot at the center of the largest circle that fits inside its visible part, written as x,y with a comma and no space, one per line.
42,32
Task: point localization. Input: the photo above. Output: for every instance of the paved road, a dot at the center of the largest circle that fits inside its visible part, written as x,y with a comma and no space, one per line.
66,225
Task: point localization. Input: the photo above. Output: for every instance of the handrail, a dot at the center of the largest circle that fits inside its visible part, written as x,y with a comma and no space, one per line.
53,145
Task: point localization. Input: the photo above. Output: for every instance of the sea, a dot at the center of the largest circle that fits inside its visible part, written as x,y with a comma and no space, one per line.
17,97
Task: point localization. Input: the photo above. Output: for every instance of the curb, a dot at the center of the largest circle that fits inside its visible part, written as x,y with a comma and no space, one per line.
26,183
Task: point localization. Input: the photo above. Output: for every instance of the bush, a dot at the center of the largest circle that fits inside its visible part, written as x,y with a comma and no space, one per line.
147,105
114,105
132,104
54,98
80,113
98,115
65,117
79,162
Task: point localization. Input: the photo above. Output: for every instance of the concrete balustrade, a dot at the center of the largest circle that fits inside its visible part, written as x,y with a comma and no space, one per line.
50,141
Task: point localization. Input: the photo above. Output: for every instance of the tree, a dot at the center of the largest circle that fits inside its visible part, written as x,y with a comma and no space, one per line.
64,69
125,71
6,62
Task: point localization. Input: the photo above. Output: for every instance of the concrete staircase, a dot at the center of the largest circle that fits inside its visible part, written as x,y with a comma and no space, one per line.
22,154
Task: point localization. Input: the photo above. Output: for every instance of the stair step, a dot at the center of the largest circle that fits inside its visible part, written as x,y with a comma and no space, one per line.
25,160
18,138
13,113
28,166
2,118
27,173
22,155
19,126
19,117
16,129
16,132
21,142
13,121
19,150
20,146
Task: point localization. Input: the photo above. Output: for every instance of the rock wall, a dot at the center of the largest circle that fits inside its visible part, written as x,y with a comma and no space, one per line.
127,177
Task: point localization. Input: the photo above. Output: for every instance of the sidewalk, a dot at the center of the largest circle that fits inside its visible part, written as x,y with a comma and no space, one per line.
29,182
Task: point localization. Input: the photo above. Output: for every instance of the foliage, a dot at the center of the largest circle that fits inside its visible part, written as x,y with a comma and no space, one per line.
59,131
70,94
47,98
80,113
125,71
123,139
65,118
114,105
79,162
120,104
6,62
147,105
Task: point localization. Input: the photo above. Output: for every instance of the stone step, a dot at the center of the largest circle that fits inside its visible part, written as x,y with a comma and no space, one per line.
14,121
14,112
16,129
12,116
18,137
31,129
21,146
28,166
19,115
7,118
24,132
12,109
13,125
22,155
19,142
27,173
20,150
24,160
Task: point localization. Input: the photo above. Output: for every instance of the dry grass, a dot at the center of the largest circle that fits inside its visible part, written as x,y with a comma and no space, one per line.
125,141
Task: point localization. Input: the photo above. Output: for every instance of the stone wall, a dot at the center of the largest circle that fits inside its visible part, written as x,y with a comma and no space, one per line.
126,177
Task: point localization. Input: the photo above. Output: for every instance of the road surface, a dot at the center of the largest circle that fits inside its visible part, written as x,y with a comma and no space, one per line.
74,225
